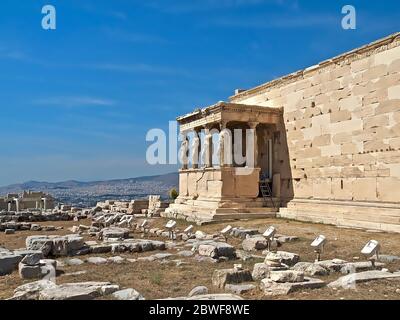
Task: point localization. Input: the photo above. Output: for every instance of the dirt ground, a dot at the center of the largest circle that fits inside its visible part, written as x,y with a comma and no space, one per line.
156,280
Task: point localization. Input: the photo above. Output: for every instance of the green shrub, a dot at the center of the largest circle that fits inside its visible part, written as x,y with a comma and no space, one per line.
173,194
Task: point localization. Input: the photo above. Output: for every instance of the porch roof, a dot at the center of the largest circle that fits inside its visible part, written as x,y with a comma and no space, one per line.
225,112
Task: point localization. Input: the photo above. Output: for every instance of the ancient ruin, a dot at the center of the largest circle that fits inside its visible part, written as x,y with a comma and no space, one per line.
26,200
326,146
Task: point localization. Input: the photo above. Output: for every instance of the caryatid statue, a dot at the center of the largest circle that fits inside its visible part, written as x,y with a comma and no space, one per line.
195,150
183,153
207,150
225,147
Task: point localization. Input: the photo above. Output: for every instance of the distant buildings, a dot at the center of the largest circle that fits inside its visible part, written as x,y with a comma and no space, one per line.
26,200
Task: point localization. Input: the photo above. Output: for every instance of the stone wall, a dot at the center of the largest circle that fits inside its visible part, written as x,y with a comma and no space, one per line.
341,125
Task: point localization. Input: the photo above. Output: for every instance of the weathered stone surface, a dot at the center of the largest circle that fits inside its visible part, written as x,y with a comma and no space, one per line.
359,266
254,243
217,249
115,232
32,259
200,258
74,291
116,259
283,257
9,263
260,271
185,253
96,260
271,288
287,276
200,234
311,269
30,291
73,262
199,290
9,231
283,238
333,265
224,276
243,233
32,272
127,294
348,281
240,288
109,289
55,245
388,258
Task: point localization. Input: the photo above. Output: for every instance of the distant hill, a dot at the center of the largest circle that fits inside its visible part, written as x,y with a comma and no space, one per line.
88,193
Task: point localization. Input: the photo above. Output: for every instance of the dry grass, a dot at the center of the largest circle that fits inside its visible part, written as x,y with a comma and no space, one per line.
157,280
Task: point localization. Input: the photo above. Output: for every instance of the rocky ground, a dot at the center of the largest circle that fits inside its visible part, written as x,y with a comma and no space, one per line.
175,271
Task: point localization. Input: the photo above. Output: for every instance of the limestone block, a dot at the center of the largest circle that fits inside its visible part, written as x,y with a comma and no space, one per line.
341,115
226,276
388,106
331,150
350,103
394,92
360,65
375,72
394,143
287,276
311,269
342,189
346,126
375,146
303,188
254,243
260,271
394,67
342,137
322,188
388,189
387,57
322,140
352,172
364,189
362,159
352,148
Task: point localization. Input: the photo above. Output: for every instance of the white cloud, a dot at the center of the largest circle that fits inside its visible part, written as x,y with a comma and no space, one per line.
74,101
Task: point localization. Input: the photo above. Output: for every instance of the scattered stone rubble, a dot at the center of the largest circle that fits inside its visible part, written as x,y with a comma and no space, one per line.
113,222
48,290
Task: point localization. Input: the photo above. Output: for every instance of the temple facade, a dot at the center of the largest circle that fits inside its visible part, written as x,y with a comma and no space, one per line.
26,200
326,146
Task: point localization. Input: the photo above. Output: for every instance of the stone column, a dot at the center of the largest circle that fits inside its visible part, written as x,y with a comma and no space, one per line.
252,143
16,205
44,203
195,150
9,207
183,152
37,204
225,146
207,151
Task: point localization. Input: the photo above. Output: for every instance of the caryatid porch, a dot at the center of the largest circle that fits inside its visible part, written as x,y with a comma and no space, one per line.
219,178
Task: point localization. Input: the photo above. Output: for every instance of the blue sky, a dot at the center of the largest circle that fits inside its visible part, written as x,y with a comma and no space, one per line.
77,102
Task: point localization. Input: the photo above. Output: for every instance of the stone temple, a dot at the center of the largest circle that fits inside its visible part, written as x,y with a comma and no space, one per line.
326,146
26,200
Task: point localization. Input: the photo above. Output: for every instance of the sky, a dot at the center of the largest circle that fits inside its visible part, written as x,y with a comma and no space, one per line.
77,102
